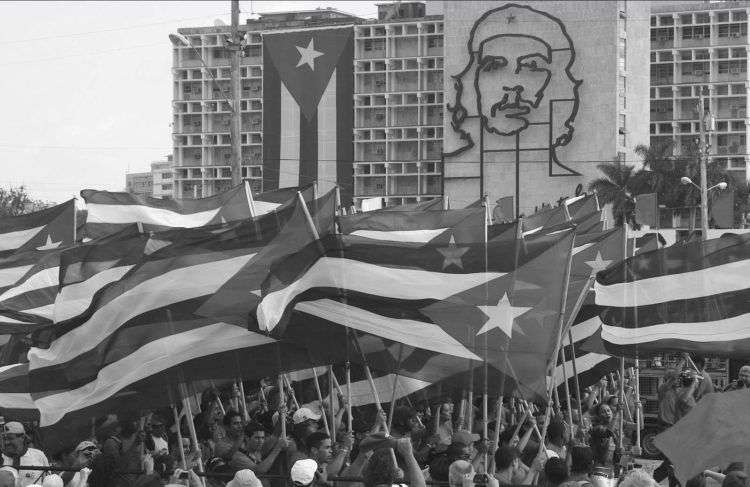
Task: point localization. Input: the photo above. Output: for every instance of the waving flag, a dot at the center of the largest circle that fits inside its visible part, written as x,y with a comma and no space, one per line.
422,297
145,324
417,226
236,300
308,80
690,298
50,228
109,212
15,398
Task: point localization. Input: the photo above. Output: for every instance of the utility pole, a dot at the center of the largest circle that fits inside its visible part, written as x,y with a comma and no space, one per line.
703,159
235,50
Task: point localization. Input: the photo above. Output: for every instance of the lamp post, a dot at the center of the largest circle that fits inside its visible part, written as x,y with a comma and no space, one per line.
704,198
706,125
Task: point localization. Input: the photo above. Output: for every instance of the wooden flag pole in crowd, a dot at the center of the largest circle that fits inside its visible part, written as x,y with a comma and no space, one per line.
178,427
289,388
558,340
395,384
282,406
349,426
567,389
191,425
243,400
332,411
320,400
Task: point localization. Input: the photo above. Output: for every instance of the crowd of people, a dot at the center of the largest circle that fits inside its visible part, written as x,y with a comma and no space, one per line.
270,439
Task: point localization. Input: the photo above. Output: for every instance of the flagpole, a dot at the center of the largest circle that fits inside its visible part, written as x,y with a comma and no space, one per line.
553,358
179,436
395,385
191,427
567,389
250,200
374,391
636,449
292,395
620,426
320,399
332,422
246,413
282,405
348,395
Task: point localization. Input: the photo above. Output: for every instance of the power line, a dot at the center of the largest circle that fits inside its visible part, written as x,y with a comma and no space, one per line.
103,31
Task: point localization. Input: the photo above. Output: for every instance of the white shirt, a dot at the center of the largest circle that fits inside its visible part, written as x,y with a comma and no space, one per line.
32,457
160,445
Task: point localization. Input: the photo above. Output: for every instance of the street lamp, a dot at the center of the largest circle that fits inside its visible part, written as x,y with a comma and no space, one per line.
720,186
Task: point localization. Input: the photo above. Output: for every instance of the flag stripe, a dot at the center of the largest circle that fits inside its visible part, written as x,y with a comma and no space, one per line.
11,275
272,88
14,240
726,329
289,151
344,74
327,143
124,214
402,283
308,147
152,358
719,279
74,299
45,278
420,334
160,290
415,236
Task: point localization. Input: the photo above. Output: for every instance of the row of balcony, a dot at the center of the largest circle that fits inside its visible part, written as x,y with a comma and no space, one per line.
397,134
398,99
409,64
402,150
184,108
399,81
186,74
400,29
215,140
397,185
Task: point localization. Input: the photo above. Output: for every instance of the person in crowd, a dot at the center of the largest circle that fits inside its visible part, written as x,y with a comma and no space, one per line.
689,380
602,442
667,397
305,472
244,478
555,472
742,381
735,478
557,438
445,429
234,441
8,477
706,385
461,474
508,469
125,448
381,471
16,452
305,423
251,456
581,464
81,457
157,441
320,449
160,471
638,478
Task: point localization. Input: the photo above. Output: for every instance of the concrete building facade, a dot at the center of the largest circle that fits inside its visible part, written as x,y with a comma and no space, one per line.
139,183
538,94
700,46
398,133
162,177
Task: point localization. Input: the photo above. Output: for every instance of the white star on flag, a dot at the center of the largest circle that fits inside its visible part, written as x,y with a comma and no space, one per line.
501,316
49,244
307,55
452,254
598,264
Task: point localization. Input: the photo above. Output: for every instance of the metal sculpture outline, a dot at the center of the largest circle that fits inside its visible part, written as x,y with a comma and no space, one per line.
459,112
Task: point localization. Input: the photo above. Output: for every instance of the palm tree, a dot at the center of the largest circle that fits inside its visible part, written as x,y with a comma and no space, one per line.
618,186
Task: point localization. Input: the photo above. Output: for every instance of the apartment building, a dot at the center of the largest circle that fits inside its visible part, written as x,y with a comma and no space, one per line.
201,101
139,183
398,105
696,47
162,177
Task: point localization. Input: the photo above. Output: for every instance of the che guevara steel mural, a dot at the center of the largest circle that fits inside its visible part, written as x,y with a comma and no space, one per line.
517,92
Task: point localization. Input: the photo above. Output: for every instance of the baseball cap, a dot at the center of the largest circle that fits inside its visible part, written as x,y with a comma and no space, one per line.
465,437
304,414
244,478
303,471
15,428
52,480
86,445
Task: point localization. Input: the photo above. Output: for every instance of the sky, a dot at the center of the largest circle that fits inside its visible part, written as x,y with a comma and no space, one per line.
87,87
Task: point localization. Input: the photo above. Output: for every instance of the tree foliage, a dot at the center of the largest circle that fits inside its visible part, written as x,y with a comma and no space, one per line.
660,174
16,201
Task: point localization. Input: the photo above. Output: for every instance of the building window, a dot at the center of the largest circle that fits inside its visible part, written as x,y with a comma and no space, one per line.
622,56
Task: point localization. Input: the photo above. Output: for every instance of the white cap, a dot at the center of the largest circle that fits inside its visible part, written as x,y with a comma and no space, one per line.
303,471
304,414
244,478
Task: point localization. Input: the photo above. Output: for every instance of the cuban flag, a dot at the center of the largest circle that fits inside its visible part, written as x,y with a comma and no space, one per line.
308,86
